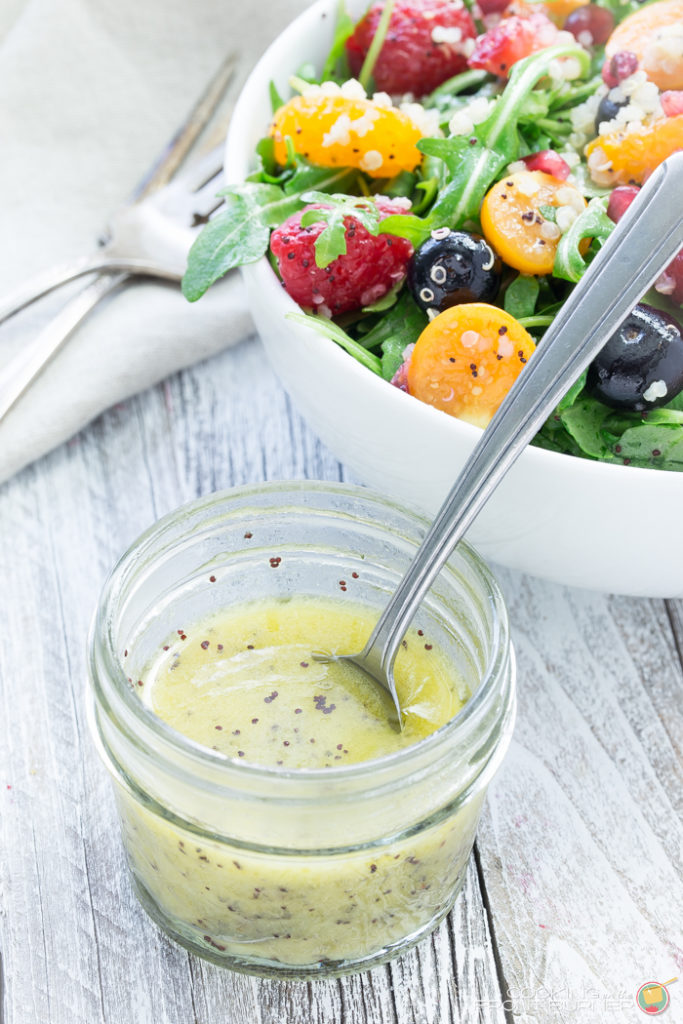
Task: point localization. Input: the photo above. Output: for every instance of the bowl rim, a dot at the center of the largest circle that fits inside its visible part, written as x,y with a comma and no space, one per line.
239,155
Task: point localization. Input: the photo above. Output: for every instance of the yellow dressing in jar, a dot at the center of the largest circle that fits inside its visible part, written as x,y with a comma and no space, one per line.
245,683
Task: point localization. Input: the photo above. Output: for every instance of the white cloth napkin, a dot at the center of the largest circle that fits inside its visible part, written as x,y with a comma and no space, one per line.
90,91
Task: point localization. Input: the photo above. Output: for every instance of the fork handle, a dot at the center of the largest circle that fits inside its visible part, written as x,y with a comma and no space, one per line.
644,241
48,280
28,364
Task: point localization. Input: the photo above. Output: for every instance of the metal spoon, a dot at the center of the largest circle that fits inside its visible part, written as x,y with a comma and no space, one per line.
642,244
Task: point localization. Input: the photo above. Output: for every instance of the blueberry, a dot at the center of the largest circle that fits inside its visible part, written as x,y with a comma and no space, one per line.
453,267
641,366
607,111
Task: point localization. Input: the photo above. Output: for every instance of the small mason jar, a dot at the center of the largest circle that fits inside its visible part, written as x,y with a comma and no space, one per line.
295,873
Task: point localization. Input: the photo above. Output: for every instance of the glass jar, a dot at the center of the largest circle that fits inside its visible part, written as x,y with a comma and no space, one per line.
295,873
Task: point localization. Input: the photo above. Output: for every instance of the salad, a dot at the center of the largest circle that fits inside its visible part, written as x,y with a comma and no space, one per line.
431,196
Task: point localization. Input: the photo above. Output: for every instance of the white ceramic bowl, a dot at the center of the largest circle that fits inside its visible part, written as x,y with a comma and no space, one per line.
589,524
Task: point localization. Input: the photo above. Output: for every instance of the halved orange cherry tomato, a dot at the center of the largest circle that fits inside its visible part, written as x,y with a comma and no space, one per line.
655,35
626,158
513,222
467,359
334,131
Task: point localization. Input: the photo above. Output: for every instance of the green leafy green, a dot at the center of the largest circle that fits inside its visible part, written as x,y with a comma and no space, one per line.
330,330
336,65
585,420
386,302
392,356
442,96
404,321
276,100
237,235
582,425
376,45
592,223
331,242
573,393
521,296
648,445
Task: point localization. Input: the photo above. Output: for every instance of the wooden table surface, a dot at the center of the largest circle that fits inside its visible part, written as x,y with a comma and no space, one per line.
574,896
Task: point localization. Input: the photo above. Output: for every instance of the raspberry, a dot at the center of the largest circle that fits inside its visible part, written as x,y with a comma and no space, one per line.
424,45
370,267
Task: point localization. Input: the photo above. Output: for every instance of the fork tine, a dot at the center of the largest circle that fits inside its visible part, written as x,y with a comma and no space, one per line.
202,173
185,137
205,201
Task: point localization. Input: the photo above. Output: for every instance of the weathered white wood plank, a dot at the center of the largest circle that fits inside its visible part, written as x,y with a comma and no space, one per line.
580,841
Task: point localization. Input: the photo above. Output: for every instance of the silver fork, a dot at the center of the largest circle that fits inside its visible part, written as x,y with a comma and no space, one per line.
149,236
642,244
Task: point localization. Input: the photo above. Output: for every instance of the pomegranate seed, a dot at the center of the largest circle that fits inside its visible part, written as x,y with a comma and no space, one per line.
620,200
670,283
672,102
597,21
550,162
493,6
400,378
621,66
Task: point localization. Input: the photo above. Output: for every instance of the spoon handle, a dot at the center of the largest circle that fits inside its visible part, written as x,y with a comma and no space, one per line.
642,244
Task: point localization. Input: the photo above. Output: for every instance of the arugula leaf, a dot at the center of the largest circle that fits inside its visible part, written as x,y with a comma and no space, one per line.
240,233
585,420
331,242
376,44
336,65
521,296
407,225
306,176
386,302
330,330
392,356
307,73
276,100
442,95
237,235
404,321
575,390
592,223
637,446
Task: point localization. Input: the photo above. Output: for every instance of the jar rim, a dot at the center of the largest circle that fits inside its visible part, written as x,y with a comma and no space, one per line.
218,763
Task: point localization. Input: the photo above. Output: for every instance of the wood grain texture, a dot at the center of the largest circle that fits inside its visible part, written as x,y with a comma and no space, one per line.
76,947
581,840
